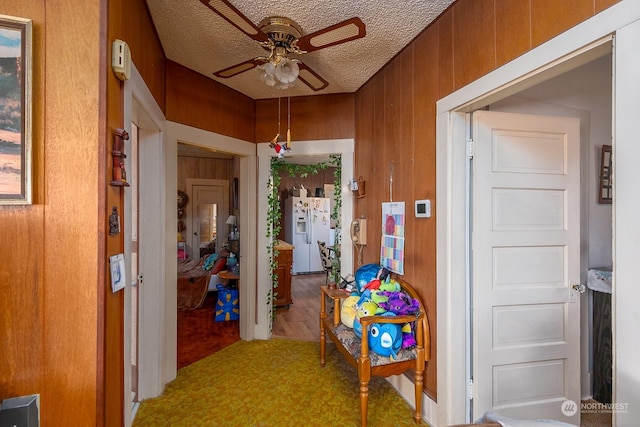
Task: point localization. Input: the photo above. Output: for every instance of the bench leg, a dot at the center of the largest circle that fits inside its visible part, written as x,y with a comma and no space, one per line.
364,402
419,386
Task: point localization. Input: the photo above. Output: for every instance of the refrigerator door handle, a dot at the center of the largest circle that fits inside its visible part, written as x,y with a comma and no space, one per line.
309,229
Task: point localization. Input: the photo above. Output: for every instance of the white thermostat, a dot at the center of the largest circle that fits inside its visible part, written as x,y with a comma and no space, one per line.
423,208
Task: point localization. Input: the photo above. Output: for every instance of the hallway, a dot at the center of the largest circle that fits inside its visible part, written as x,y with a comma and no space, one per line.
301,320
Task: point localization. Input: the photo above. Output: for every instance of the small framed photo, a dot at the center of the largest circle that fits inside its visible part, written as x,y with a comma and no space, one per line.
605,191
15,111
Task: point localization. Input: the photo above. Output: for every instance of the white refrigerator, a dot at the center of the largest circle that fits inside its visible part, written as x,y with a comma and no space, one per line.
307,220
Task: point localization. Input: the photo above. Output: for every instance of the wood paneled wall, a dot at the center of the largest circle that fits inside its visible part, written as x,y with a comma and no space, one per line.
129,21
312,117
22,235
196,100
395,114
204,168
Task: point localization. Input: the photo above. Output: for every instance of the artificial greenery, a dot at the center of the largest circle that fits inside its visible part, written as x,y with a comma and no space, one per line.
274,214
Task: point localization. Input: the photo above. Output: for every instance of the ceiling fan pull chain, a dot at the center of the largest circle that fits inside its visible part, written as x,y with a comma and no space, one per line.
289,123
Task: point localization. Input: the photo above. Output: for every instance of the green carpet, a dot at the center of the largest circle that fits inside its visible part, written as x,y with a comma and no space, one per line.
272,383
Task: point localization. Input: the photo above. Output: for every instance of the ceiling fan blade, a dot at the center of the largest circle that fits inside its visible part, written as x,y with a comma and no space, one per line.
344,31
229,12
238,68
311,78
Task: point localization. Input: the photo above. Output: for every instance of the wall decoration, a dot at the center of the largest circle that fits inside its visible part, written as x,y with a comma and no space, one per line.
392,247
118,156
15,111
114,222
118,279
605,190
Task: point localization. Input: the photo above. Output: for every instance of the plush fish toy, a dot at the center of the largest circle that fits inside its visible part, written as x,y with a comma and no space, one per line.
385,339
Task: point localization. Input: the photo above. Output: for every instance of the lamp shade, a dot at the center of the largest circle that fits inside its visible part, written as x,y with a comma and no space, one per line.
231,220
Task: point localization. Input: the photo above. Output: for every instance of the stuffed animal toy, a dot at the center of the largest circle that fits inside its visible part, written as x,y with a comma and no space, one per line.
408,339
385,339
348,310
367,308
402,304
365,274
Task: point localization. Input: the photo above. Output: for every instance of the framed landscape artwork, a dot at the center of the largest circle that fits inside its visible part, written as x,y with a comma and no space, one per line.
15,111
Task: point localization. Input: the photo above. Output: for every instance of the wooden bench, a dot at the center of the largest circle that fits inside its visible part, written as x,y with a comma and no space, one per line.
356,350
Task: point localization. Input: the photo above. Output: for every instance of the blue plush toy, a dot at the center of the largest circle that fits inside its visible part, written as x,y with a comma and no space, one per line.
385,339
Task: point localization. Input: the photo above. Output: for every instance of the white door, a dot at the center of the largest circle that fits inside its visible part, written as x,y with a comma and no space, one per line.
209,215
526,246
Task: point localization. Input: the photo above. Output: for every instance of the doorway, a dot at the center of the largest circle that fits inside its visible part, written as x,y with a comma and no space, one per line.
207,214
556,93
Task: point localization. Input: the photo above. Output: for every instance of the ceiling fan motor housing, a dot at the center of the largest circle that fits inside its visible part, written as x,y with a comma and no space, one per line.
283,32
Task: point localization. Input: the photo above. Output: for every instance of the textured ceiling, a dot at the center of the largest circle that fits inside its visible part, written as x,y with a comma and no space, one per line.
198,38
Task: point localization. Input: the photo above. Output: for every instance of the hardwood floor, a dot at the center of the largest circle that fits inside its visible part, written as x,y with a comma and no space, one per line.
301,319
199,335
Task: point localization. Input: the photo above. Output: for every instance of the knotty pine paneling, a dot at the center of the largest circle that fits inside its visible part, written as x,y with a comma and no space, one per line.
198,101
474,40
312,117
513,30
552,17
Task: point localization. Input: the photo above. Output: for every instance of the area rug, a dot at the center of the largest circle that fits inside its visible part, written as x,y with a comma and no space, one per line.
272,383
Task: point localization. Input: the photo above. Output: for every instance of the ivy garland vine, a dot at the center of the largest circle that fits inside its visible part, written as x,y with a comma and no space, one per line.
274,214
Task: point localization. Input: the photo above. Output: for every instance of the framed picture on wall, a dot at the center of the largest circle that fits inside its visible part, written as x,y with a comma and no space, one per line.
605,190
15,111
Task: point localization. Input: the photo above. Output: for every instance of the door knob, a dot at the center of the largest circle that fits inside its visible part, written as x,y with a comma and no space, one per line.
579,287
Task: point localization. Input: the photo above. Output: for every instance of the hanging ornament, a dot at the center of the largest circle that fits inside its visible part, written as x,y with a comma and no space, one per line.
278,147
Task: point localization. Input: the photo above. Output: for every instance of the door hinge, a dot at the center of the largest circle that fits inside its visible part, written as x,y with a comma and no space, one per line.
471,389
470,148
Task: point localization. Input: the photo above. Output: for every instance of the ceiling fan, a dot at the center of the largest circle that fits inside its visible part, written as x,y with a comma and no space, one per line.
281,36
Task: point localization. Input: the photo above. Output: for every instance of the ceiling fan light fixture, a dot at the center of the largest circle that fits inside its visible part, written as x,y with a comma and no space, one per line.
287,71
